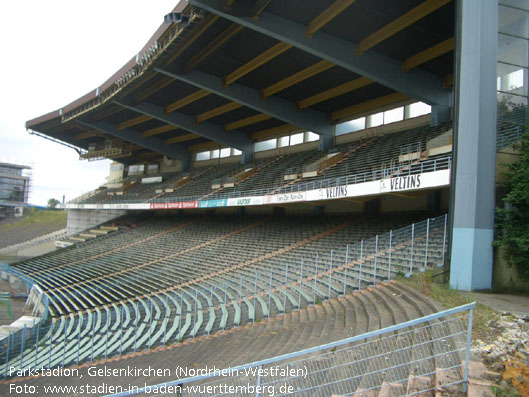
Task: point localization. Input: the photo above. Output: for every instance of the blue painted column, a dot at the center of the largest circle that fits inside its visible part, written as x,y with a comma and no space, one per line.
473,178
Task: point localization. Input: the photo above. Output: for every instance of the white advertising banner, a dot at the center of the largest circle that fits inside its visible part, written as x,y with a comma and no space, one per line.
356,190
133,206
152,179
242,201
388,185
415,182
285,198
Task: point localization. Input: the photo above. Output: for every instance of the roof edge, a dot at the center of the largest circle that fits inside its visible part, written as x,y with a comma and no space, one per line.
113,79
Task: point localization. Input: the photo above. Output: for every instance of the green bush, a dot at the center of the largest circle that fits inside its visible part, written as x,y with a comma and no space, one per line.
512,221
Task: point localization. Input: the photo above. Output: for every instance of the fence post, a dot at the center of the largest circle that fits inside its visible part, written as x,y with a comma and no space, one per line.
361,254
285,297
92,347
467,349
376,254
270,293
195,319
411,250
63,346
389,258
136,325
426,248
150,323
345,270
7,353
106,338
255,293
121,331
166,320
37,345
181,314
22,345
444,241
300,282
314,286
330,276
258,386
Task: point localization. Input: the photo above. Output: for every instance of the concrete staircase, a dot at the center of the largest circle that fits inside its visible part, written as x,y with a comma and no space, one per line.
332,320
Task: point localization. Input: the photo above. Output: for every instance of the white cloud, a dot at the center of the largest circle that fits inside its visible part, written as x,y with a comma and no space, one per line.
53,52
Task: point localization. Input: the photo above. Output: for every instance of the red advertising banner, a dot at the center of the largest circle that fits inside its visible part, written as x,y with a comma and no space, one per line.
172,206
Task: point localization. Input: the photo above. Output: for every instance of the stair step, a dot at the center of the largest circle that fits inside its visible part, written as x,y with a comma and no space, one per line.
418,383
109,228
99,231
392,389
444,377
87,235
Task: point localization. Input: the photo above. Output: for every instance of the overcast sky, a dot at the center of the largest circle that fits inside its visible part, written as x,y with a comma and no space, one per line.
53,52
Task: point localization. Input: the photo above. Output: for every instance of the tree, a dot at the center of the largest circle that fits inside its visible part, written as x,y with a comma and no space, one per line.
512,221
52,203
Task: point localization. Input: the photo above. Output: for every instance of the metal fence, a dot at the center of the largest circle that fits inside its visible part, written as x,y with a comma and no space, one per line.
414,357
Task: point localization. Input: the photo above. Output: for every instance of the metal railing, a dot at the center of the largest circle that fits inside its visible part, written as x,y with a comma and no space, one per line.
439,141
368,176
509,134
406,358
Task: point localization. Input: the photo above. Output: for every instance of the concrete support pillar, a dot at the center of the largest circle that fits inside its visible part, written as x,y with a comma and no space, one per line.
327,141
186,162
473,173
440,114
248,155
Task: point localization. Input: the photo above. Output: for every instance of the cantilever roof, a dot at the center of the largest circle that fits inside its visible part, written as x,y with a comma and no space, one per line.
233,72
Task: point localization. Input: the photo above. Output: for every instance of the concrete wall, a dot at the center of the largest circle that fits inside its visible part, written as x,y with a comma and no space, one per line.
505,277
79,220
394,203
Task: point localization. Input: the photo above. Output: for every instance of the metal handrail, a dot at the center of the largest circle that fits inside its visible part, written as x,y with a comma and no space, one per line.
368,176
393,328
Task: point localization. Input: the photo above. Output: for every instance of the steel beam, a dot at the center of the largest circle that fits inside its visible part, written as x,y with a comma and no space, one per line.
177,152
206,129
309,119
417,83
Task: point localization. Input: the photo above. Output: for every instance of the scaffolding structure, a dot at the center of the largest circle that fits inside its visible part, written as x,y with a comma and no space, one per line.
16,188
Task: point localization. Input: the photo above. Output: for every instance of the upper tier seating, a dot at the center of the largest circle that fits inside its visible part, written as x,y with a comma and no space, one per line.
372,158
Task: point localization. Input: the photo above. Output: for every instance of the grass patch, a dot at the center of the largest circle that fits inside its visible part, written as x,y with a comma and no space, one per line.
449,298
37,217
504,392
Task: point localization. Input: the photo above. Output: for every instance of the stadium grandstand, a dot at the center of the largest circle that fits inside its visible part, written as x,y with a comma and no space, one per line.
277,166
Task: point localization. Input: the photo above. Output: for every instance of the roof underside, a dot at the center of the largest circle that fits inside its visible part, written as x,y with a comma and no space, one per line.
220,78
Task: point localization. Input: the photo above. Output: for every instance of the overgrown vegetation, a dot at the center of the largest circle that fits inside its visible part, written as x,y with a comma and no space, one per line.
447,297
504,392
37,216
512,221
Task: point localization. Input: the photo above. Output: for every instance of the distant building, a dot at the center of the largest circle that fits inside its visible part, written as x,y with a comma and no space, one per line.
14,189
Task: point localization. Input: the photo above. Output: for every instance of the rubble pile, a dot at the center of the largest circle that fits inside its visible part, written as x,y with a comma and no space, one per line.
508,355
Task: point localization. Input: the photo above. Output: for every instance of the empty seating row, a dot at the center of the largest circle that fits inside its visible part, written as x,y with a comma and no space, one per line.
268,175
